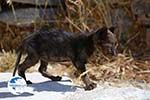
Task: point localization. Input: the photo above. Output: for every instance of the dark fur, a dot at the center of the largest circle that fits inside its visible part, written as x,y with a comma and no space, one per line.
58,45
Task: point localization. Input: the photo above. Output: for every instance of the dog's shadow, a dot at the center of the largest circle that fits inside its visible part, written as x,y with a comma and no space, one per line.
51,86
54,86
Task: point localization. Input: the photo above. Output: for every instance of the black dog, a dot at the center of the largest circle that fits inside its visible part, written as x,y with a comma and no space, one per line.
56,45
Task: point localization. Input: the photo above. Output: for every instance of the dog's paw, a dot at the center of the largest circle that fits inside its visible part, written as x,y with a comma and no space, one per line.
90,86
28,82
57,78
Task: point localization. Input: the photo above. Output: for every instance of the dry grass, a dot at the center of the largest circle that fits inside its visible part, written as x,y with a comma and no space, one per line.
7,60
87,15
83,13
122,68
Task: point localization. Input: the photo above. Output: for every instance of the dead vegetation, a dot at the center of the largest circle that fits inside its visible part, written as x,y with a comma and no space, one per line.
7,61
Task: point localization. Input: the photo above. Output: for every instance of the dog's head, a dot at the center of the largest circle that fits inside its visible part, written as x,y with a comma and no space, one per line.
108,40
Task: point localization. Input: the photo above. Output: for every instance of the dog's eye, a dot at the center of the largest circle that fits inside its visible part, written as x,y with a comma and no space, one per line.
107,45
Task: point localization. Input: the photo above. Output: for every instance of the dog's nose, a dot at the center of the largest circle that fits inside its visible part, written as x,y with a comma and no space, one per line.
114,52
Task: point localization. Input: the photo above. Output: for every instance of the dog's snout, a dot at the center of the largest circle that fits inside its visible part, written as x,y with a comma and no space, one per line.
114,52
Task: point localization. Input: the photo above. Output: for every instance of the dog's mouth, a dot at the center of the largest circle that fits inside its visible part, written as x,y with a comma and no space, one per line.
112,51
109,50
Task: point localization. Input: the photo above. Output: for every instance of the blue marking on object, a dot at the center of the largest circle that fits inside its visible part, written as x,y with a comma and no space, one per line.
14,79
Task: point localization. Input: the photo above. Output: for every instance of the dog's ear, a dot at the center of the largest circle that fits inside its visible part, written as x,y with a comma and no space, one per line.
102,33
112,29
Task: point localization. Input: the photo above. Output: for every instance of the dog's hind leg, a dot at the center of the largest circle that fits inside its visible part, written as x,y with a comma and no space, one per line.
28,62
42,70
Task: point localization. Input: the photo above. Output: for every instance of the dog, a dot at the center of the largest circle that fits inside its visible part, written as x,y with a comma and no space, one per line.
57,45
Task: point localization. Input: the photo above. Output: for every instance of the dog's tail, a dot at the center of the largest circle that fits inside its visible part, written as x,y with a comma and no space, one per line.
19,54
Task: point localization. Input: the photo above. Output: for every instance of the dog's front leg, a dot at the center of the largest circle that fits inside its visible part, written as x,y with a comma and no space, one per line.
80,65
